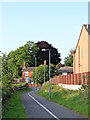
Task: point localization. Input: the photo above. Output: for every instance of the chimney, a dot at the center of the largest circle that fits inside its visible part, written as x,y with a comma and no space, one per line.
44,62
24,65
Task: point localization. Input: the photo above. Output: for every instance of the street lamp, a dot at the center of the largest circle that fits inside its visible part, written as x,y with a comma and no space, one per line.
49,73
35,67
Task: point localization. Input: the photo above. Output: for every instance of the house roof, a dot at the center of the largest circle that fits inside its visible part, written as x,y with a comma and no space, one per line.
87,27
66,69
88,30
28,69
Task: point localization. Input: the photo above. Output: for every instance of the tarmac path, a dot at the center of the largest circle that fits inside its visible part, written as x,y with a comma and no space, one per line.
40,108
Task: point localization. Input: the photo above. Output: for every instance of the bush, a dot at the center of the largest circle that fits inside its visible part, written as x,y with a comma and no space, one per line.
7,92
38,74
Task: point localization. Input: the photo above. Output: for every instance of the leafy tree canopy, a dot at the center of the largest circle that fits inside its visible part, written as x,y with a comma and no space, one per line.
24,53
41,56
68,61
12,63
38,73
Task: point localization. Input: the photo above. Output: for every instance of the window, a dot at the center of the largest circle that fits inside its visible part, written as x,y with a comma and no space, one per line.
64,73
18,80
26,73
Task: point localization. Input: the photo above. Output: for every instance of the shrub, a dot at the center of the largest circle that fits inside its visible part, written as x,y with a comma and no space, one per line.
8,91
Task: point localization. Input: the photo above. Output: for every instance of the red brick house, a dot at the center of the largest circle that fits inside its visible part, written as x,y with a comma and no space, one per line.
27,73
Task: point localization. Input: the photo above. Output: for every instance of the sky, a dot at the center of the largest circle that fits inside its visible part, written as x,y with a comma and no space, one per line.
58,23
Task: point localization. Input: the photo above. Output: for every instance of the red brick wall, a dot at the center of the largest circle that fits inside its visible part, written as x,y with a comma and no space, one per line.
29,75
72,79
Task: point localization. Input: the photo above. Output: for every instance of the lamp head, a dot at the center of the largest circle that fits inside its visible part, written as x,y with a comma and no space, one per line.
43,49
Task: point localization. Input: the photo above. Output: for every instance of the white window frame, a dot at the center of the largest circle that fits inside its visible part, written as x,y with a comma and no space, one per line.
26,73
64,73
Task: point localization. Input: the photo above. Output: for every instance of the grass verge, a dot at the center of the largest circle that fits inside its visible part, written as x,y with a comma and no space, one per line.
76,100
14,107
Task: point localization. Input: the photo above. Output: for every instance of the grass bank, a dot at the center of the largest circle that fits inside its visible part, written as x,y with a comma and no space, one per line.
14,107
76,100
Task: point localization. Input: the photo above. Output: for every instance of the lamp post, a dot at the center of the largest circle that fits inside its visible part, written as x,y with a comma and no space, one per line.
49,73
35,67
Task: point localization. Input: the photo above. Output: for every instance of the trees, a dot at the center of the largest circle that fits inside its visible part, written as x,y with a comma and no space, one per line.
12,63
68,61
24,53
6,76
38,73
41,56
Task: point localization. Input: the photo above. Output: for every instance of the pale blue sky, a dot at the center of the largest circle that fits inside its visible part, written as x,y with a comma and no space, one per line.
58,23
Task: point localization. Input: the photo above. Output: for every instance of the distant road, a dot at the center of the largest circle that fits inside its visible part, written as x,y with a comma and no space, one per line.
38,107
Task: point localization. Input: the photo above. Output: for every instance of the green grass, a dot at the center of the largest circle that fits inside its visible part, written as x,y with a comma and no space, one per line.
75,100
14,107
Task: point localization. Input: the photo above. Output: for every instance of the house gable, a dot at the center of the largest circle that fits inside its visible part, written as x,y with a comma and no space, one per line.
80,55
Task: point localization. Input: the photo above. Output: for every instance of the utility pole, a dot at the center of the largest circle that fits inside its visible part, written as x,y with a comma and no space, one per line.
44,70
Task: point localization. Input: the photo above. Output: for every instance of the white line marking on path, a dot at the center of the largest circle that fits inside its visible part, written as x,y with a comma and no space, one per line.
44,107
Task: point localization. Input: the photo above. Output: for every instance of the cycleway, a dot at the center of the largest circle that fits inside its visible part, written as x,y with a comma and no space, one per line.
40,108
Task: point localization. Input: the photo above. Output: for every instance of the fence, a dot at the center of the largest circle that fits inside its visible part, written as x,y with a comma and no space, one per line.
33,85
17,80
72,79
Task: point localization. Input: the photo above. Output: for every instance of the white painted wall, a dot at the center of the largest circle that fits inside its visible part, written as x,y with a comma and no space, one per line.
71,87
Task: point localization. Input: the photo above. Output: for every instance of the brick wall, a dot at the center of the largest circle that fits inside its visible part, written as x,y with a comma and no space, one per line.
72,79
29,75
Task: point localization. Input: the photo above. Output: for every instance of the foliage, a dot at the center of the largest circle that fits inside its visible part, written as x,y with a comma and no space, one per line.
67,97
68,61
88,77
41,56
8,91
14,107
18,85
0,67
84,86
53,70
24,53
6,76
12,65
38,73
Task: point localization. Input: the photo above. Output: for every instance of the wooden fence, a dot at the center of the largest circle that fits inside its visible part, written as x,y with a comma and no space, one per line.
72,79
33,85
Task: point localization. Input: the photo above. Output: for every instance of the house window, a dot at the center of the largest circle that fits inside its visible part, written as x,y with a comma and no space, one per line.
18,80
26,73
64,73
